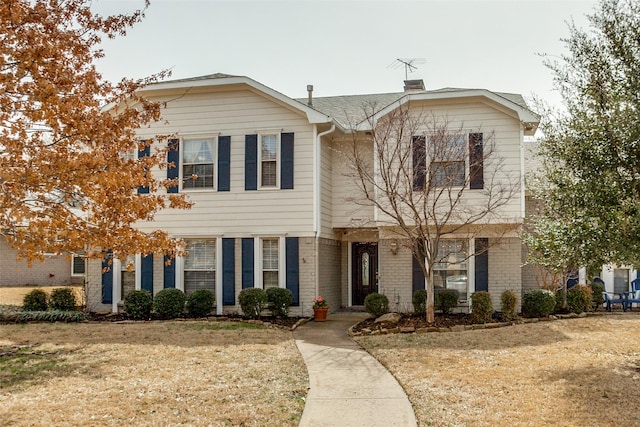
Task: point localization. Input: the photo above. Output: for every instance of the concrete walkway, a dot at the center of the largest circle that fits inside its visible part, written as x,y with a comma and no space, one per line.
348,387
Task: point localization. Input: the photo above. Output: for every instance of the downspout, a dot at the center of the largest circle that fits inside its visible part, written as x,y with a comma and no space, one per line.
317,202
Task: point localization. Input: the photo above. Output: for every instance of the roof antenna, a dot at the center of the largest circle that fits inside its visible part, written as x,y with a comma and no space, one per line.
409,65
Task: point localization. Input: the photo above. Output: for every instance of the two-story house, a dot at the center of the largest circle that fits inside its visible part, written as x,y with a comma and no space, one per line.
270,191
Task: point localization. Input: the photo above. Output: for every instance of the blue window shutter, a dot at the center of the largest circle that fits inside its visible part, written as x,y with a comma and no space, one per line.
247,263
419,151
286,161
228,271
107,279
482,264
417,276
224,163
169,272
173,156
476,162
293,268
146,276
144,153
251,162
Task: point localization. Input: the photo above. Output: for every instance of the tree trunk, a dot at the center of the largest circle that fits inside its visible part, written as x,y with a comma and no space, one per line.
431,317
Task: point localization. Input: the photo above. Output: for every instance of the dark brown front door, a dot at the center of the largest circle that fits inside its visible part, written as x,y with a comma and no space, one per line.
364,271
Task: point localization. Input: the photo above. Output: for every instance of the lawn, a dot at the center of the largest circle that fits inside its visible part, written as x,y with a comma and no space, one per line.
149,374
578,372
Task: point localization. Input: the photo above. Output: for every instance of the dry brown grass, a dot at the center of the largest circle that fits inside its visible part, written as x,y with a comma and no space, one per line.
579,372
149,374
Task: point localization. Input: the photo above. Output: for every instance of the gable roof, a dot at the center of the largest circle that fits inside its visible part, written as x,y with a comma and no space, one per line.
350,112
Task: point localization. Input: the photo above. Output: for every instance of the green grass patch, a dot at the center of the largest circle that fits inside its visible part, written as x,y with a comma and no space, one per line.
24,365
222,326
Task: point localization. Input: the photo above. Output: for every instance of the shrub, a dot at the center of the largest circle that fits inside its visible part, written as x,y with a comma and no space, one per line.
508,305
252,302
419,300
376,304
580,299
62,299
446,300
279,300
36,300
597,298
560,307
138,303
481,307
200,303
538,303
169,303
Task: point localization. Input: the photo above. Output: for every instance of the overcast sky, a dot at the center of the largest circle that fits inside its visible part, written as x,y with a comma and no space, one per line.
348,47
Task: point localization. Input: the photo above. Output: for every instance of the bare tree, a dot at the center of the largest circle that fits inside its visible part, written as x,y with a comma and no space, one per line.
430,180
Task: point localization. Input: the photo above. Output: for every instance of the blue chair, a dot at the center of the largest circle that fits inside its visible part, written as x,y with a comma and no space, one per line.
633,297
611,298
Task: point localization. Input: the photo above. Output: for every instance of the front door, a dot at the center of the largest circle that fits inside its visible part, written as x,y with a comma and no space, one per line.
364,271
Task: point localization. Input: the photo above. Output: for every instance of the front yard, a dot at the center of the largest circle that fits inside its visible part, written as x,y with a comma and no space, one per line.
578,372
149,374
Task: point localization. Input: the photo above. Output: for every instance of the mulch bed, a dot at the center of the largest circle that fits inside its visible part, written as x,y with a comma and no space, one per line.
413,321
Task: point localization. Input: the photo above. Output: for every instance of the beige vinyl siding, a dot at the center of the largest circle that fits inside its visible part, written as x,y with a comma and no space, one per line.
326,189
469,117
236,114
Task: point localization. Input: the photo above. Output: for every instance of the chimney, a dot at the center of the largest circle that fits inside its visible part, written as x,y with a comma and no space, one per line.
413,85
310,92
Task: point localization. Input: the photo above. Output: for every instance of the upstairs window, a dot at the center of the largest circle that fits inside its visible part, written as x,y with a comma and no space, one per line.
448,155
268,160
198,163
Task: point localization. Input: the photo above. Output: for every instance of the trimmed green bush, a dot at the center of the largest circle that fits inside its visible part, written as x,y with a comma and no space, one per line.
419,300
36,300
446,300
376,304
580,299
62,299
200,303
509,305
597,298
481,307
138,304
279,300
560,307
252,302
169,303
538,303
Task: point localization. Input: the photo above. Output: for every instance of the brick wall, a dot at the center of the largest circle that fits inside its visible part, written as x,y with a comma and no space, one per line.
395,276
54,270
504,269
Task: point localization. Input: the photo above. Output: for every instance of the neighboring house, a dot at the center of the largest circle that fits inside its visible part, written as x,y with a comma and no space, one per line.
270,197
55,270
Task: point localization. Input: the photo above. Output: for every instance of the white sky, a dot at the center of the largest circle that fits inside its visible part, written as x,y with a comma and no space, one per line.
348,47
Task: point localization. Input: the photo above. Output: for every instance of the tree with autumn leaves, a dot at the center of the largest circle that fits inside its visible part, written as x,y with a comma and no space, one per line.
74,176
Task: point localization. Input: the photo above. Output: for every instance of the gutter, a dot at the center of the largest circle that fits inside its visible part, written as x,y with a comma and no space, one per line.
317,202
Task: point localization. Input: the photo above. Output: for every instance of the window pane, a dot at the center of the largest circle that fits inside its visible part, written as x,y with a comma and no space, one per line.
444,174
270,254
197,170
450,272
202,255
198,176
269,147
269,174
270,279
78,265
198,151
194,280
620,280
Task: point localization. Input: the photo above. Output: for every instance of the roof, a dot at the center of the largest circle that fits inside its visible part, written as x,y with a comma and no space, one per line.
351,111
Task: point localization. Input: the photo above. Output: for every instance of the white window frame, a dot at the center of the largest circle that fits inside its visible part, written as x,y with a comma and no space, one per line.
258,260
465,265
435,160
182,264
84,262
261,135
214,154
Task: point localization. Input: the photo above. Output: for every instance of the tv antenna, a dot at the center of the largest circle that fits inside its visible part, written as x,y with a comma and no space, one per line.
409,64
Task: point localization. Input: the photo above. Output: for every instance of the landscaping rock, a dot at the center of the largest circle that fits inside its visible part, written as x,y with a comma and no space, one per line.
389,317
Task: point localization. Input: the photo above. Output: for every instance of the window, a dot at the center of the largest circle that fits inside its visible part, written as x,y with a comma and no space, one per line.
268,160
620,280
78,267
198,163
450,269
200,265
447,160
270,263
127,276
